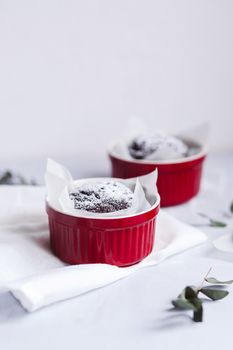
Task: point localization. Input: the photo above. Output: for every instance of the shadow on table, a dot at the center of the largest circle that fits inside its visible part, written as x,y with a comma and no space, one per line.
174,319
213,253
42,241
10,308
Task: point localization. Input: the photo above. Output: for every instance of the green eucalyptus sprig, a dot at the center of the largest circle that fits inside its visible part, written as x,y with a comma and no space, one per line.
10,178
189,298
216,223
231,207
213,222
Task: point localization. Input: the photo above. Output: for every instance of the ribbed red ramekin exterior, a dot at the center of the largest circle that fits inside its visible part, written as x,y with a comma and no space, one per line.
177,182
120,241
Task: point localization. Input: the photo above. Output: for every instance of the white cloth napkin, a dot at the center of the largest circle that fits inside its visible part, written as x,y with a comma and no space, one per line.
37,278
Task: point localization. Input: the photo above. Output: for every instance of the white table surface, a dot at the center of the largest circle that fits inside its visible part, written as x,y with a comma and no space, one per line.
134,313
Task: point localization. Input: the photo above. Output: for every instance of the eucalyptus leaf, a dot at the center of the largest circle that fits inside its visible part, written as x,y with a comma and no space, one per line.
215,223
10,178
5,178
231,207
196,302
214,294
182,294
190,293
183,304
213,280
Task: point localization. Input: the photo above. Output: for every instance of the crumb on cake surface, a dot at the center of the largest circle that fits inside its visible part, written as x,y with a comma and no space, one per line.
102,197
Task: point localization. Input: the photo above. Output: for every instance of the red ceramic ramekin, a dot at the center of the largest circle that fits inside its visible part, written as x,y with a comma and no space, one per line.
120,241
178,180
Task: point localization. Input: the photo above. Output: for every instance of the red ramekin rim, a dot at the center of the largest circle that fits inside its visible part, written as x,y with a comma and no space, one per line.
156,205
198,155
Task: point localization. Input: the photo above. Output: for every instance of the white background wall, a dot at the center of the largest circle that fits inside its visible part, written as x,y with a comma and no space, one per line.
72,72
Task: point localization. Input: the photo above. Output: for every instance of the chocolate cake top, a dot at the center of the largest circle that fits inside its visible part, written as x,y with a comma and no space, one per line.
102,197
157,146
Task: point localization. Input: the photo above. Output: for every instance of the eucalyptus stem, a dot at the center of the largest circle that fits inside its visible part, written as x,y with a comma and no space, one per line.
203,281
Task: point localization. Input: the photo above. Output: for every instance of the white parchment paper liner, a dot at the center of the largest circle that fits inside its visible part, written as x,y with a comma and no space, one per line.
59,184
198,135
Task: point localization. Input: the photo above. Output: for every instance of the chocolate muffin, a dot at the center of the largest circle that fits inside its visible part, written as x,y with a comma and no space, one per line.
157,146
102,197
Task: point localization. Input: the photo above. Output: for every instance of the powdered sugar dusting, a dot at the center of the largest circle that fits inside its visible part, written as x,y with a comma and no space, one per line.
157,146
102,197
